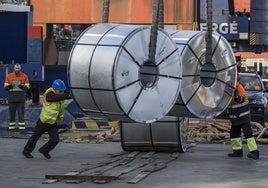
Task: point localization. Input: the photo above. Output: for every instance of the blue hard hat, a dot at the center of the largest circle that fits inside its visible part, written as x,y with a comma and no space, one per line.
58,84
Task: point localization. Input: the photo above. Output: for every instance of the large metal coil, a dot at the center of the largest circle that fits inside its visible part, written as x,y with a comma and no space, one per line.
110,77
206,88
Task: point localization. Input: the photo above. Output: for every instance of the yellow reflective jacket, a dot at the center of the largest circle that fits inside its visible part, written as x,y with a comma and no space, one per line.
52,112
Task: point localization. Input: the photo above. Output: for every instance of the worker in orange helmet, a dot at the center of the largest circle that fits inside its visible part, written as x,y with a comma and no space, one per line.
17,84
239,114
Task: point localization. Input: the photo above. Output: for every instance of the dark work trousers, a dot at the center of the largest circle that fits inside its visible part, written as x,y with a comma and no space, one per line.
241,122
19,107
235,131
40,129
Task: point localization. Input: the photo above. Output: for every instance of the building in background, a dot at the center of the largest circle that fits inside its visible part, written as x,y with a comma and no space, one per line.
63,20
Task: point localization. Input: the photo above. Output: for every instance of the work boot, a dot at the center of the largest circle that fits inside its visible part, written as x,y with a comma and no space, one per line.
253,154
27,155
46,155
236,153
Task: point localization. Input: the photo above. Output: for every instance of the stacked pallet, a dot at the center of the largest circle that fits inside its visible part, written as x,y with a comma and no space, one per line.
209,130
200,130
260,132
218,131
91,135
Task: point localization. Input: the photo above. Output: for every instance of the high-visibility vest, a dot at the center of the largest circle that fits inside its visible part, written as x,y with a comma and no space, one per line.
51,112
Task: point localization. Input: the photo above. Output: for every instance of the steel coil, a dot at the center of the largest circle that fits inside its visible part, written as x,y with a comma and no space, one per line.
110,77
206,88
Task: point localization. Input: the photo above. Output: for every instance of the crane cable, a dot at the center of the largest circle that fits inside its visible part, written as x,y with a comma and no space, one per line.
209,32
105,10
154,30
161,14
157,21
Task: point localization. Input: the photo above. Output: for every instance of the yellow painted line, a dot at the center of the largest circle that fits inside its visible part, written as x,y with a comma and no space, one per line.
113,123
93,124
73,125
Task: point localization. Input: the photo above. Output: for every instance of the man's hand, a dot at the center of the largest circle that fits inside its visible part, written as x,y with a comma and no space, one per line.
21,87
9,87
239,99
68,95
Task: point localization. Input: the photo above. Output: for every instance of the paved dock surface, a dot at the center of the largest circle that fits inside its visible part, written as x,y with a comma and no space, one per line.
202,166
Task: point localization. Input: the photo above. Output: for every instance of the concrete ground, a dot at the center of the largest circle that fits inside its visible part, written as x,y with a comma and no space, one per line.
202,166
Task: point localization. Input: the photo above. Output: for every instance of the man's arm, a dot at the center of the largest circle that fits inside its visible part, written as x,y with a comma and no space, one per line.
52,97
7,85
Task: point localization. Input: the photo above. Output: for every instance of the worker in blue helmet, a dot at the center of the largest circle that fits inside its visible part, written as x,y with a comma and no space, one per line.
51,113
59,85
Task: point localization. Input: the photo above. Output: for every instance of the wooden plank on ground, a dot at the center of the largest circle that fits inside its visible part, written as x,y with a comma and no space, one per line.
133,154
50,181
79,177
155,167
139,177
146,172
99,164
262,132
113,165
131,168
148,155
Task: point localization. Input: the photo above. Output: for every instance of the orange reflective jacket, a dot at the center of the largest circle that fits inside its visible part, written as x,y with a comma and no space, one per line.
241,91
21,78
16,94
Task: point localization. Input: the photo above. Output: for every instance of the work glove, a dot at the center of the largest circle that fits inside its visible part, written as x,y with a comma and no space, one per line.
68,95
9,87
21,87
239,99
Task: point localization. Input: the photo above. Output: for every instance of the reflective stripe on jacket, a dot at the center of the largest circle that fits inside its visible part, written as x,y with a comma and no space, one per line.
239,110
51,112
239,113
